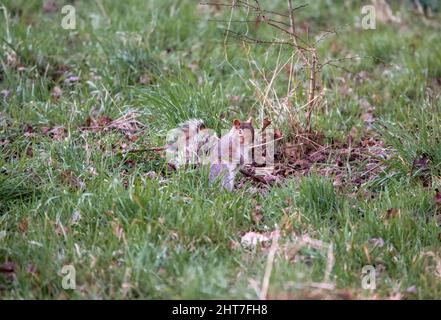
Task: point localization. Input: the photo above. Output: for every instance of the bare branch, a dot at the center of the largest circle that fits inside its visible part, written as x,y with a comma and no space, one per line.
254,40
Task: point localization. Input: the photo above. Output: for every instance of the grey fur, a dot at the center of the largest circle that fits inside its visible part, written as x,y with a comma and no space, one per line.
222,171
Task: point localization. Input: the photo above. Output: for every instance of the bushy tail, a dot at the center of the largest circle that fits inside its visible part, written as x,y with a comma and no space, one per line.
189,143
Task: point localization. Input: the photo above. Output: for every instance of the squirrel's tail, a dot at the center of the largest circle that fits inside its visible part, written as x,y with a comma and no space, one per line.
188,143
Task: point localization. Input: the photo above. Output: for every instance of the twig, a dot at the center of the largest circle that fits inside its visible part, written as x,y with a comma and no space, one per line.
311,93
269,265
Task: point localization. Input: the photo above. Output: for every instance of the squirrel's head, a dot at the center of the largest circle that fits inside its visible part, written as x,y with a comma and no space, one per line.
244,131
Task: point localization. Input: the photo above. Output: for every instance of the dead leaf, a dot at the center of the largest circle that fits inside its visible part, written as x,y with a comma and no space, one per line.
23,225
412,289
56,92
103,120
69,178
28,129
256,214
117,230
421,163
251,239
45,130
393,213
437,197
49,6
58,133
277,134
234,99
61,230
76,216
71,79
145,79
126,285
384,12
376,242
31,270
265,124
366,253
30,151
233,245
8,268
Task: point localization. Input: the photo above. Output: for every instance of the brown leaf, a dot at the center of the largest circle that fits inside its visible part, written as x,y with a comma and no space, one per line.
117,230
437,197
251,239
45,130
23,225
234,99
28,128
256,214
31,270
384,12
233,245
103,121
412,289
49,6
265,124
30,151
145,79
421,162
376,242
392,213
366,253
337,181
58,133
69,178
61,230
277,134
8,268
56,92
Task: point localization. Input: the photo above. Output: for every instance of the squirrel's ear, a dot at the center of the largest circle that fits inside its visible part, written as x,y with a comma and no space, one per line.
236,123
249,120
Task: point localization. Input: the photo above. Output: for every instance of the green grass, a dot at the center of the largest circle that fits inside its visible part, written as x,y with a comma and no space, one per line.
165,61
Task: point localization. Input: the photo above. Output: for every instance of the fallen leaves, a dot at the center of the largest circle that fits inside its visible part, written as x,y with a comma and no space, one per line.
128,124
76,216
365,159
23,225
376,242
391,215
8,268
252,239
117,230
49,6
437,198
437,268
384,12
420,168
56,92
56,133
71,180
256,214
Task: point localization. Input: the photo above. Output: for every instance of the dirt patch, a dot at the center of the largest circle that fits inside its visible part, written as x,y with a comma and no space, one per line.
347,164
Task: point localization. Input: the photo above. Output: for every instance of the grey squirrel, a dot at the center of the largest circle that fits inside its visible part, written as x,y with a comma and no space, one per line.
192,143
